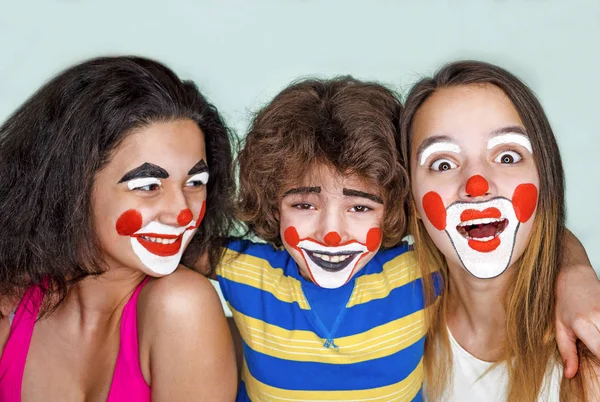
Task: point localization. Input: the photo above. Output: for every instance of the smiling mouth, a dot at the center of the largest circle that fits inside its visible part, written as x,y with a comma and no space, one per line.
161,245
483,230
332,262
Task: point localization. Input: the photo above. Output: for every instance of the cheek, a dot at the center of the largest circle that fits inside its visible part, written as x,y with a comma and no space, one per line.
373,239
524,201
129,222
290,235
435,210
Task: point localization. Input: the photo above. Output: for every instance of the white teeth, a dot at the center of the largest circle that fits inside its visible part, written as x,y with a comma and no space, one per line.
482,221
332,258
481,238
159,240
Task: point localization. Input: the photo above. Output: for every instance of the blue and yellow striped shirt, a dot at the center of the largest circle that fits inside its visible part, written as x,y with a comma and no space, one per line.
361,342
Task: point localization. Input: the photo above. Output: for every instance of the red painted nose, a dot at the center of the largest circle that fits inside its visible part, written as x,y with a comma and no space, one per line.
185,217
332,239
477,185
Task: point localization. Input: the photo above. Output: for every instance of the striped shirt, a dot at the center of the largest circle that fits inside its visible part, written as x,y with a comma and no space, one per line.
361,342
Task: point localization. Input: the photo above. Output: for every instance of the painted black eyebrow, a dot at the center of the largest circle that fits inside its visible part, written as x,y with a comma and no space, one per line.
430,141
145,170
301,190
355,193
199,167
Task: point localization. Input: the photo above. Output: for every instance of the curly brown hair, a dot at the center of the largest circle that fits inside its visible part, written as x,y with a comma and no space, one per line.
343,123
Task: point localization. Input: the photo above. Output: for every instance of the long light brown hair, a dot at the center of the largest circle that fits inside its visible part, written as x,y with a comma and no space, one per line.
529,345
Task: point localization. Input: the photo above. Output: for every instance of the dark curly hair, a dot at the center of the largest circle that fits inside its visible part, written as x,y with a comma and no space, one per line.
52,147
344,123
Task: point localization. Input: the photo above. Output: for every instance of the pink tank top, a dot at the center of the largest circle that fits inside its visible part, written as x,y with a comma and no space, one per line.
128,384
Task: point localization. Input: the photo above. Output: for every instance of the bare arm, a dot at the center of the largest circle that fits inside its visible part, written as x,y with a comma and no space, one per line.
577,305
191,350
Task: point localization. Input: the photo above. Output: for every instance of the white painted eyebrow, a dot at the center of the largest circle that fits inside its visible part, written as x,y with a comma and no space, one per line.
141,182
440,146
510,138
201,177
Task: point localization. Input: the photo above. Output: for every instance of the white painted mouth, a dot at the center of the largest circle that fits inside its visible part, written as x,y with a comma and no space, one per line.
483,264
331,267
162,265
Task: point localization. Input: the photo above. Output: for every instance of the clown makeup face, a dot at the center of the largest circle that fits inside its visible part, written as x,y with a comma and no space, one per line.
474,177
330,224
151,197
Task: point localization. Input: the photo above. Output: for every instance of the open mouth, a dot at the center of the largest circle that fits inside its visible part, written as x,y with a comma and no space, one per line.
332,262
160,244
483,229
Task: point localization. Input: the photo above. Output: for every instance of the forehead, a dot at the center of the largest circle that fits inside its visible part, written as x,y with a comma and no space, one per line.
465,111
175,146
333,182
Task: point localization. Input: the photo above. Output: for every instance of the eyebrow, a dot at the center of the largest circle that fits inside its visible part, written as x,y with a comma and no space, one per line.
199,167
302,190
356,193
145,170
514,134
509,129
428,142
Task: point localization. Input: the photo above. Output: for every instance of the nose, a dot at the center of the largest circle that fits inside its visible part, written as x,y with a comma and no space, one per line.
175,210
477,186
332,239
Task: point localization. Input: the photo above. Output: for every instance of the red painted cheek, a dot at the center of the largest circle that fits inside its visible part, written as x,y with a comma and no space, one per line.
129,222
202,212
373,239
185,217
524,201
291,236
332,239
435,210
477,185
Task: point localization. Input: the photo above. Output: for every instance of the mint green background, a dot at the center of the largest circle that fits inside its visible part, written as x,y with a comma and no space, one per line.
241,53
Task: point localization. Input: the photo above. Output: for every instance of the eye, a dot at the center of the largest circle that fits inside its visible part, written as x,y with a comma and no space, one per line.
303,206
144,184
508,158
442,165
360,208
197,180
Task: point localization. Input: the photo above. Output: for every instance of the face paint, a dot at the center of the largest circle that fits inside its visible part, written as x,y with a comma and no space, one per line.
524,201
157,245
441,146
331,264
435,210
483,233
477,186
509,138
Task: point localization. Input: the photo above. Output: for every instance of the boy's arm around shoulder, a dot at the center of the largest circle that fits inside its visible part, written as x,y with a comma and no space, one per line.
577,304
190,350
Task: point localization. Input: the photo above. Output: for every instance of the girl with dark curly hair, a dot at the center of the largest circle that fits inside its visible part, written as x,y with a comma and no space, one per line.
110,174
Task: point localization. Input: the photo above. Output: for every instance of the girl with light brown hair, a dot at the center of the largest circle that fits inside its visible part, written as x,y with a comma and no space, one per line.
488,213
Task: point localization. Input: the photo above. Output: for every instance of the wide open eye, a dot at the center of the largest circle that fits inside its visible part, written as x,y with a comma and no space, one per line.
508,157
144,184
197,180
442,165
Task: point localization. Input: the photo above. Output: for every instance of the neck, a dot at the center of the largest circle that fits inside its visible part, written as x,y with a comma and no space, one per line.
476,316
97,300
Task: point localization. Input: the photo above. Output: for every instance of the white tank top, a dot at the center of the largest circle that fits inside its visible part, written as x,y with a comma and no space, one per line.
467,385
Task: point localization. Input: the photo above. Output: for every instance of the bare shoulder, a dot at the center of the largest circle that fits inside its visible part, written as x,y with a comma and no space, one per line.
185,340
183,288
